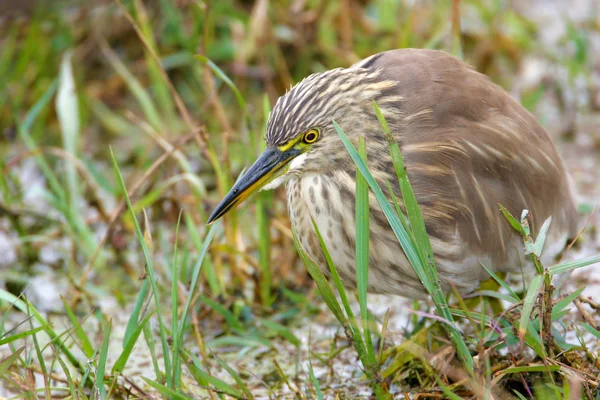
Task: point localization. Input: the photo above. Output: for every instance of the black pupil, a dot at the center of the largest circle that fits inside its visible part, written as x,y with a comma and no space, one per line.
310,137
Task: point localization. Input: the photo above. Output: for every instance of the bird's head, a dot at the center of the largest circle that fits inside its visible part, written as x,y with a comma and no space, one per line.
300,135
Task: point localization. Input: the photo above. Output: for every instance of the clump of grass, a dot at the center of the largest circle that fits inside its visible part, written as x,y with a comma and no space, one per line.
146,95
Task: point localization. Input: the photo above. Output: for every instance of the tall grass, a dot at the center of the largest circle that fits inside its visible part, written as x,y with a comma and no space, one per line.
181,130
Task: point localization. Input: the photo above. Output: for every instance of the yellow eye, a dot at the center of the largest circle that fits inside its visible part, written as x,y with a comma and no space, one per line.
311,136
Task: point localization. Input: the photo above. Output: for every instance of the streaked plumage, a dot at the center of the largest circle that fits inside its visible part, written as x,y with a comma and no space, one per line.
467,144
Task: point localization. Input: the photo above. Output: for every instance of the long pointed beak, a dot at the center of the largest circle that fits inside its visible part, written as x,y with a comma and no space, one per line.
271,164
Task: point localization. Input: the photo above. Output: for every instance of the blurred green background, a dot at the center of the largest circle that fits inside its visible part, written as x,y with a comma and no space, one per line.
180,91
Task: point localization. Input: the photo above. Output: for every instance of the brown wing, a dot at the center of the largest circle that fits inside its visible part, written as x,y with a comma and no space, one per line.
470,146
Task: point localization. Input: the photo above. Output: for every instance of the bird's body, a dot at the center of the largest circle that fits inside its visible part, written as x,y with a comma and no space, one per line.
468,146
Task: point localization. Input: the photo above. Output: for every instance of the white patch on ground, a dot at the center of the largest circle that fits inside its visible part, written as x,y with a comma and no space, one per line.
8,255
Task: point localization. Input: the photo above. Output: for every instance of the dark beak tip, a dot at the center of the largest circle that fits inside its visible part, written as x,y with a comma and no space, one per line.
214,217
265,164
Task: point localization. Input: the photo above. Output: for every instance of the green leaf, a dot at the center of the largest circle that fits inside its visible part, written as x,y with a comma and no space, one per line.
174,306
235,376
525,223
68,116
75,393
363,251
561,304
232,321
29,309
196,274
591,330
119,365
573,265
353,329
86,344
314,380
529,368
134,318
537,247
8,361
219,72
168,393
497,295
512,220
413,211
216,382
501,282
282,331
102,360
317,275
532,293
21,335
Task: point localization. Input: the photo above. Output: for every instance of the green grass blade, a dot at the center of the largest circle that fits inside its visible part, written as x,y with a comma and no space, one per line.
591,330
24,132
501,282
236,377
209,273
264,247
573,265
149,337
29,309
512,220
317,275
362,250
119,365
21,335
349,317
86,344
349,323
75,392
529,368
413,211
400,214
68,115
223,76
447,391
174,306
103,356
10,360
216,382
314,381
530,298
402,235
167,392
195,276
410,252
540,240
282,331
563,303
150,270
137,309
137,89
